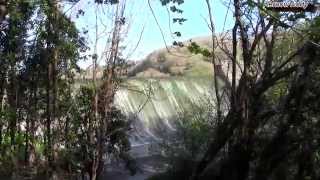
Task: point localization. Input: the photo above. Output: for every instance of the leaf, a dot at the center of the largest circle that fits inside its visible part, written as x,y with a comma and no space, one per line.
177,34
179,20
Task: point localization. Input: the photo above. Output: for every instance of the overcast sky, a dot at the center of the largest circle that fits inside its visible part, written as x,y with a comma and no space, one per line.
138,15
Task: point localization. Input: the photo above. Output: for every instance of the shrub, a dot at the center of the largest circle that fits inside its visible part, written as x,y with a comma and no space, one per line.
188,144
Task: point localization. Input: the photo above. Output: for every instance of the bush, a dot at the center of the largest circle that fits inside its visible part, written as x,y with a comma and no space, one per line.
187,146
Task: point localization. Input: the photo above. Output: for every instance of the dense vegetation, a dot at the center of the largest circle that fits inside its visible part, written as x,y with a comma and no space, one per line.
46,126
264,124
269,129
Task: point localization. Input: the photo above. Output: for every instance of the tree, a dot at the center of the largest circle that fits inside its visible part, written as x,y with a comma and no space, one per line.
257,135
39,49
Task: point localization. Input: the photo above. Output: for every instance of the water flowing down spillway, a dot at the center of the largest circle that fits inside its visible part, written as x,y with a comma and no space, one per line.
152,105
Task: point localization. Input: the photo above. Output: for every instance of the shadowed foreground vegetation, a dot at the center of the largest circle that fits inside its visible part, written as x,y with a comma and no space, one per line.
264,124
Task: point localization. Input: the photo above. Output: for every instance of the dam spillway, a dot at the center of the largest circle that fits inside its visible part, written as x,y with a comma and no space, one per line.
152,105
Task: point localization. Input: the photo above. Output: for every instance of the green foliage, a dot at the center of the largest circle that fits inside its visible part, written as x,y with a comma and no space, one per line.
196,49
186,147
173,4
179,20
165,2
33,32
276,92
106,1
314,29
80,146
175,9
194,129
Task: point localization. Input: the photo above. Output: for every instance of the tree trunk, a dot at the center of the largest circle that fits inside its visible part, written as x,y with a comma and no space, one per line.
48,114
3,10
26,141
12,101
215,66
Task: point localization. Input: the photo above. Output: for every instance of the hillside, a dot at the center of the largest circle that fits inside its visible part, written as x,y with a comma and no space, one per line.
178,61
